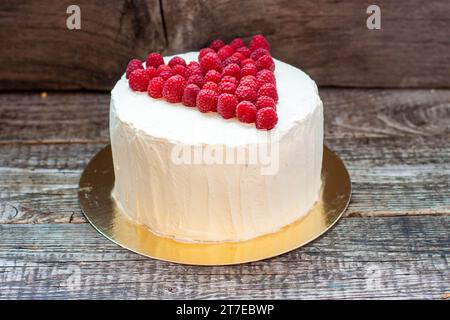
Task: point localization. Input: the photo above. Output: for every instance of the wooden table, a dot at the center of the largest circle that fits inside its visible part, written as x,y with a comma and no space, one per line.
394,241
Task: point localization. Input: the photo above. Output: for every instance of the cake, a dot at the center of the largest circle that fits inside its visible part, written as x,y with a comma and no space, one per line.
171,176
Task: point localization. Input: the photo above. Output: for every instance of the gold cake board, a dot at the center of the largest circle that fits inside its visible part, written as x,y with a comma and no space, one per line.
97,181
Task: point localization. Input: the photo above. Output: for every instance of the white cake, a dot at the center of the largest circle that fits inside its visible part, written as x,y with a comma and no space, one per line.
216,202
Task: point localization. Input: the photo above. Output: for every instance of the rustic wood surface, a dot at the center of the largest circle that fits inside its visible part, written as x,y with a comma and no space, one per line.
327,38
393,243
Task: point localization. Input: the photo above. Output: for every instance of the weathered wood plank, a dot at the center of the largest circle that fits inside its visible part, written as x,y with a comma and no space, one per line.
329,39
349,113
403,257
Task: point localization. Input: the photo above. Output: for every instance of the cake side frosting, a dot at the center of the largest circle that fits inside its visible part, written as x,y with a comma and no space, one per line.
215,202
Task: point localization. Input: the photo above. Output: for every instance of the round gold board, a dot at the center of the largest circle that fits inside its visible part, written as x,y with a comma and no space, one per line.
97,182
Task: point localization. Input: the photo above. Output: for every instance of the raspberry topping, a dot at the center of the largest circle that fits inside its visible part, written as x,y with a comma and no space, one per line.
232,70
216,45
207,100
266,118
173,89
213,75
203,52
151,72
265,102
225,52
164,71
265,62
155,87
249,81
269,90
190,95
181,70
258,53
249,69
257,42
211,61
265,76
138,80
246,112
177,61
226,105
133,65
245,93
154,60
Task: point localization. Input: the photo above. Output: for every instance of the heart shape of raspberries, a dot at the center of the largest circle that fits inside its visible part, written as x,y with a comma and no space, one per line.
232,79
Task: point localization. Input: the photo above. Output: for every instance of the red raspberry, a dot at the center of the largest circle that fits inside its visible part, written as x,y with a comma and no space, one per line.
226,105
265,102
227,87
211,62
216,45
230,79
211,86
177,61
194,68
179,69
203,52
138,80
151,72
245,93
266,118
246,61
249,81
239,55
246,112
249,70
207,100
164,71
196,79
244,51
269,90
174,88
155,87
258,41
258,53
190,95
134,64
232,70
237,43
230,60
213,75
265,76
265,62
225,52
154,60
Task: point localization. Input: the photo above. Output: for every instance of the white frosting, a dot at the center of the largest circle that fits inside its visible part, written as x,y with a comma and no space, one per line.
215,202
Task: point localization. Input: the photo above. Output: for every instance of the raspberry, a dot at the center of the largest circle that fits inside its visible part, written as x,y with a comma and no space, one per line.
225,52
194,68
246,61
190,95
216,45
258,41
249,70
177,61
174,88
265,62
203,52
155,87
164,71
265,76
138,80
266,118
269,90
207,100
213,75
154,60
230,79
197,80
258,53
151,72
226,105
211,86
179,69
239,55
232,70
134,64
230,60
227,87
265,102
245,93
244,51
246,112
249,81
211,62
237,43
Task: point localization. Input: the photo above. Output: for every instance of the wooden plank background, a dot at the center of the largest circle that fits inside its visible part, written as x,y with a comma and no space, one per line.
326,38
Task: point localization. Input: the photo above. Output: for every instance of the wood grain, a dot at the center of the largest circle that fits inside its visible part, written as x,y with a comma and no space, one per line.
403,257
329,39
